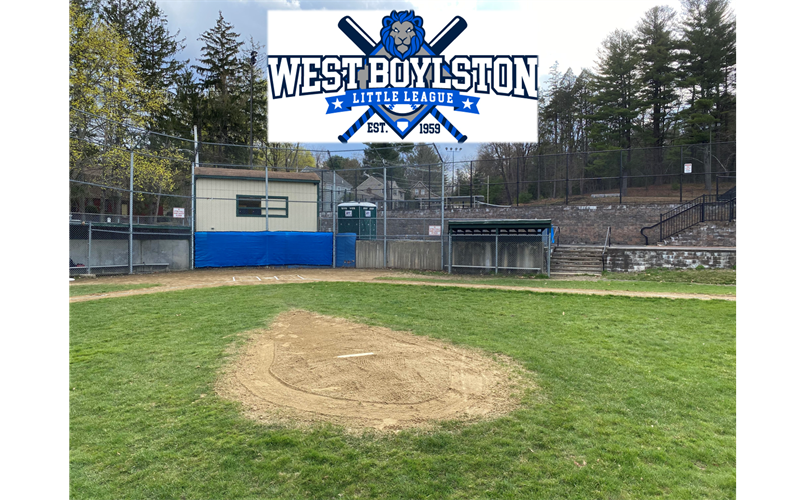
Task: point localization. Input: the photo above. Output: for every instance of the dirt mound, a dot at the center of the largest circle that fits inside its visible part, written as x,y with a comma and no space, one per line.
309,367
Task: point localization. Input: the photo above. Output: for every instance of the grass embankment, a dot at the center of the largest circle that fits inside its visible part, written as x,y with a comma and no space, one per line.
702,282
636,399
78,290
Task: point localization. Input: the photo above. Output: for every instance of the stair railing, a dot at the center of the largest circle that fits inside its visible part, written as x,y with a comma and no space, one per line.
604,250
701,209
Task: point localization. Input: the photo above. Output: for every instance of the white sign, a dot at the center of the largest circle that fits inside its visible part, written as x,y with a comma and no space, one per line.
368,214
401,76
178,213
347,213
688,168
434,230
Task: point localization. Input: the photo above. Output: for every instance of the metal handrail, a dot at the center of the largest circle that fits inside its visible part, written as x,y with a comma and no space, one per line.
695,214
604,249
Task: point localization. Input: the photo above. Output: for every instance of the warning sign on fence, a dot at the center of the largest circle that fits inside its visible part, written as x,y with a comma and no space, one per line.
434,230
178,213
688,168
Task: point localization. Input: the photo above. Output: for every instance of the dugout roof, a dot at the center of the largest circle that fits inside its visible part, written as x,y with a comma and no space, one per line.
498,226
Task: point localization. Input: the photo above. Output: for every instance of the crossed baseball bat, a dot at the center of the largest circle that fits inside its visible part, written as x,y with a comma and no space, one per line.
437,45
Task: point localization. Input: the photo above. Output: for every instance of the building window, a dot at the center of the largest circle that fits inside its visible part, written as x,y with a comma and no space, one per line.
255,206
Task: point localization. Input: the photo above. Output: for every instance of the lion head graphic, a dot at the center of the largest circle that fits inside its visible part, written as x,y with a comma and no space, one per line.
402,33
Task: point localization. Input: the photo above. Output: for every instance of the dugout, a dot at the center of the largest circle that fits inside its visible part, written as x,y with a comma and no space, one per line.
514,246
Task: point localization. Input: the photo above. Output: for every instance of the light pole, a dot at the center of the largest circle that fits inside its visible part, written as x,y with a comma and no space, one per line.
453,150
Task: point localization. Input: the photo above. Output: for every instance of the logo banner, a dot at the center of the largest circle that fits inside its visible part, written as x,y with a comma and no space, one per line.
400,76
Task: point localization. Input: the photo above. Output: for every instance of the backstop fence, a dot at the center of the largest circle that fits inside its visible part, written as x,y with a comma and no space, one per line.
138,198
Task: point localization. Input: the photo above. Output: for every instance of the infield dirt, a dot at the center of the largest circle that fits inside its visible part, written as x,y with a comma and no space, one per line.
206,278
307,368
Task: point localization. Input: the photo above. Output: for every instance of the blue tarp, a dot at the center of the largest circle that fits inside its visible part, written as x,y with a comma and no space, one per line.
345,249
272,248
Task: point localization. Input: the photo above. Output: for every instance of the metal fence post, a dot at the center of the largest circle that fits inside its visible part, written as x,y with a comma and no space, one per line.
89,250
193,200
620,182
567,178
449,253
266,198
682,170
471,192
497,232
131,213
385,211
441,237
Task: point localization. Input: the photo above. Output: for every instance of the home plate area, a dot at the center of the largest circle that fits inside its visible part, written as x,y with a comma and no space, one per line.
270,278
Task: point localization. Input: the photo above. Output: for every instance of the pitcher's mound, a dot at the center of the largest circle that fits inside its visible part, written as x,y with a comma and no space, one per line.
310,367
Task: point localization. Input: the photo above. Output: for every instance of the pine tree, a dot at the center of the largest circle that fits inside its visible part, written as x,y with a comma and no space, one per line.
223,98
707,67
145,26
656,49
616,89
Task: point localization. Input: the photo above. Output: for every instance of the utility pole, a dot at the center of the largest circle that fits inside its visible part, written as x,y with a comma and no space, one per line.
471,193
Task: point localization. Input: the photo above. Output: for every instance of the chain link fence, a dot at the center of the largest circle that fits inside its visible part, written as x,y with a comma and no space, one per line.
137,197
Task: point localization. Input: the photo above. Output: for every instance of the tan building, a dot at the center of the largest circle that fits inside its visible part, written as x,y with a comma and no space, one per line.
235,200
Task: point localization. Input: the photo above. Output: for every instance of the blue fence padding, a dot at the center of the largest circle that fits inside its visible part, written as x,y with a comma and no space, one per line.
345,249
273,248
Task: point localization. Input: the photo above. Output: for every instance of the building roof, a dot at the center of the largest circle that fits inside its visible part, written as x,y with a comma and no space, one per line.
489,226
327,176
392,184
357,203
249,174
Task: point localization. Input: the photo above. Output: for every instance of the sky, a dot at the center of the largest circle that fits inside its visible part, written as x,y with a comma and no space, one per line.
568,32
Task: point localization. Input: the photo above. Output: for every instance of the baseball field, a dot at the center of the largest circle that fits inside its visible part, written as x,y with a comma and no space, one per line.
359,387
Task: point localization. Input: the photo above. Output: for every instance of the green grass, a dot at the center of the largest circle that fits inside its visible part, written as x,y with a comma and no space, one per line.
641,390
614,284
700,276
78,290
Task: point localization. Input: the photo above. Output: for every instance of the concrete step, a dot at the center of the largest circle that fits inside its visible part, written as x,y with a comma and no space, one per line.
576,258
578,252
578,248
557,265
577,255
575,268
559,274
567,260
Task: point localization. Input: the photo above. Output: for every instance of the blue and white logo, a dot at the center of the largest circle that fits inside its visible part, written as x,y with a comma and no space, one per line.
403,78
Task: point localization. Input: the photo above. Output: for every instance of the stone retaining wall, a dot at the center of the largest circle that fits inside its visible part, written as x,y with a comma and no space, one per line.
579,225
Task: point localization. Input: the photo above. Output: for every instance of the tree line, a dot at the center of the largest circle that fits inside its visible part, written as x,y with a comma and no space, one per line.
669,81
128,74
